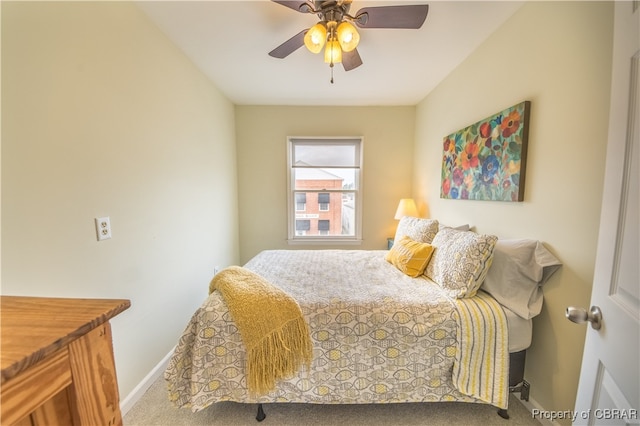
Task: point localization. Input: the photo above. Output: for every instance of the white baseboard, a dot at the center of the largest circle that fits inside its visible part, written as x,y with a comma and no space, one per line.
127,403
533,404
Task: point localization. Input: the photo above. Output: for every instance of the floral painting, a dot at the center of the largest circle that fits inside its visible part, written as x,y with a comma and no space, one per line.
486,161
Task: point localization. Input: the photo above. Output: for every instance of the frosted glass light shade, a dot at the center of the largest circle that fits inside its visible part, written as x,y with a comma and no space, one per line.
406,207
333,53
315,38
348,36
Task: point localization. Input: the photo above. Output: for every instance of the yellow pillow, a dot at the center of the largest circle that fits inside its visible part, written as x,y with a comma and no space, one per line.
409,256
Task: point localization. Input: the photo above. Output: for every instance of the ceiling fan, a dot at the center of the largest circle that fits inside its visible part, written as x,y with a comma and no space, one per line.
336,33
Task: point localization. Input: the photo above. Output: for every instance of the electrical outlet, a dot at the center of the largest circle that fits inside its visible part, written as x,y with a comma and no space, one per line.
103,228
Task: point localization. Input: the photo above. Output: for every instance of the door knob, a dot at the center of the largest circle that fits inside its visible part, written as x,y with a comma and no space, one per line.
580,315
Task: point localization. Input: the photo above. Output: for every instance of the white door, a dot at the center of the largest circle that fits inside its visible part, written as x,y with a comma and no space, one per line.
609,389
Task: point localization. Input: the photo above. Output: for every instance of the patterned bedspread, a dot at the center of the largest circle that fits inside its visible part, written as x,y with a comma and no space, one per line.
378,336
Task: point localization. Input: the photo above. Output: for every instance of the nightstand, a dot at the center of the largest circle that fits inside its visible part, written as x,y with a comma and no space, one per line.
389,243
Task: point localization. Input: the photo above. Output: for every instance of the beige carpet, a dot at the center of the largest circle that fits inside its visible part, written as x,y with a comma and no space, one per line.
155,409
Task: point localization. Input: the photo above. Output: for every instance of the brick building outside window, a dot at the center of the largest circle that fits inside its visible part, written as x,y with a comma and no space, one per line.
318,212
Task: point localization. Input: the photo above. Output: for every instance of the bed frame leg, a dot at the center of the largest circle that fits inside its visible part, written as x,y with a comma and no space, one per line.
524,388
261,415
503,413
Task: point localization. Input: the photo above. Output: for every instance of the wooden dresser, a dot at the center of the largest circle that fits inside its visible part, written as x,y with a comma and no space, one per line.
57,361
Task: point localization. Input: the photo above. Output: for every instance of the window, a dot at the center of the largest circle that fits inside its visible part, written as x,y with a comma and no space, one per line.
324,189
324,226
324,201
302,227
301,201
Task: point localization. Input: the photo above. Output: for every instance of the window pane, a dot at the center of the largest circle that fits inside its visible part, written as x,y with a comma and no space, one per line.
335,218
320,179
303,225
325,154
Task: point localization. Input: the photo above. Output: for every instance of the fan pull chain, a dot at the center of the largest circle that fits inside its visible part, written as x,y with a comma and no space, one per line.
331,66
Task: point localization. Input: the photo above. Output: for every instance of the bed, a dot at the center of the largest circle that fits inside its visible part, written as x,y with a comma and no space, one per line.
381,329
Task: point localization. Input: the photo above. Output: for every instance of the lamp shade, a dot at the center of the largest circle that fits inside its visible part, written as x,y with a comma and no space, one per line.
333,53
315,38
406,207
348,36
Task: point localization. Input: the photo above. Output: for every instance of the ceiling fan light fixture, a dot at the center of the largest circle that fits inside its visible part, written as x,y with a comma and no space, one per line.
333,53
336,32
348,36
315,38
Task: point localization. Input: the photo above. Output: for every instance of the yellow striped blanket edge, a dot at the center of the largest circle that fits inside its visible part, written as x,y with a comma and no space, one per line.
481,366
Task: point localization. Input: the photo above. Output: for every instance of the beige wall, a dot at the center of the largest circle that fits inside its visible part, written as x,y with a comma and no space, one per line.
102,116
558,56
262,132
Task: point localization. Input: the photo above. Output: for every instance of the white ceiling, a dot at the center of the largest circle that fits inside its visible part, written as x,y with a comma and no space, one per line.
230,40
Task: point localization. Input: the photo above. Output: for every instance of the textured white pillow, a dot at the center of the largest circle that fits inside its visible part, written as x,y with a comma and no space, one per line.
520,268
460,261
421,230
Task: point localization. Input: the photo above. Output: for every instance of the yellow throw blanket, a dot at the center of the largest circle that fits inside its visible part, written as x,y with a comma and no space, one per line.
271,325
481,365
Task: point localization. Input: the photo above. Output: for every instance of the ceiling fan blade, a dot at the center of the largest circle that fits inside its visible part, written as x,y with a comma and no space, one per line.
351,60
298,6
408,16
289,46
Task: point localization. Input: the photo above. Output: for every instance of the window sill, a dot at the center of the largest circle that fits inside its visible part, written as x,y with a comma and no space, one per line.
324,241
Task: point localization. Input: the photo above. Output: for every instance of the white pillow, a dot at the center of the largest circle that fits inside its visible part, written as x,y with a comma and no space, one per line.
460,261
464,227
421,230
519,269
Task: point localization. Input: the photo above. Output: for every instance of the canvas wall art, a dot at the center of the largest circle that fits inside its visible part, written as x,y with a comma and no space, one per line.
486,161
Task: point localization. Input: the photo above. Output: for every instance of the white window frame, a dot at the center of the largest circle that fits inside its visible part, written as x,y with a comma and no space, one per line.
292,238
